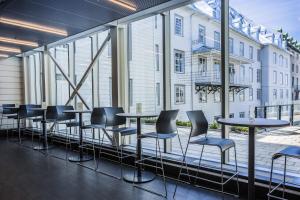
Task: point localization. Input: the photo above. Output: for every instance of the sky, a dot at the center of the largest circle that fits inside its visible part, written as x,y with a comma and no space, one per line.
273,14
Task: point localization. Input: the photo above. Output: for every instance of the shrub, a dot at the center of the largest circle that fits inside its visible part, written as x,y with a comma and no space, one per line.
182,123
239,129
214,125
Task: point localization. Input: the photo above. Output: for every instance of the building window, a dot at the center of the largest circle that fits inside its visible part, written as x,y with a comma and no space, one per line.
202,96
131,92
217,40
274,77
258,73
286,62
281,78
274,94
258,55
155,22
231,96
231,73
201,35
217,72
202,66
286,79
157,57
178,25
297,68
281,60
179,94
293,67
231,115
231,46
258,94
217,97
179,61
158,94
251,52
292,81
242,73
251,75
250,94
281,93
287,93
242,49
242,95
274,58
242,114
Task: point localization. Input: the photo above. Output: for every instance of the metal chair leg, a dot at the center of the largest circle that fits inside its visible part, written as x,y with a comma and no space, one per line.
222,174
236,170
270,183
284,178
163,170
199,164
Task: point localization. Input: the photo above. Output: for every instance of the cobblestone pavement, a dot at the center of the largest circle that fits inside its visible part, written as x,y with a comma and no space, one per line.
268,142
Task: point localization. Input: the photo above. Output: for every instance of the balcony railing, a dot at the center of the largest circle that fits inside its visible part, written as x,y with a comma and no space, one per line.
288,112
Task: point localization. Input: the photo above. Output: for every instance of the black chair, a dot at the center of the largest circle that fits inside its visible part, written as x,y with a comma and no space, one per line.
7,113
288,152
26,113
199,128
166,128
105,119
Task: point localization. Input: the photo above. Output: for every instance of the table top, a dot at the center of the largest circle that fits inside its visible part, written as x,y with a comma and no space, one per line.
256,122
137,115
77,111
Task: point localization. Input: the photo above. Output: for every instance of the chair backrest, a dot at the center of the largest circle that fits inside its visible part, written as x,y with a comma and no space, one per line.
111,118
66,116
5,109
166,122
52,113
26,112
98,116
199,122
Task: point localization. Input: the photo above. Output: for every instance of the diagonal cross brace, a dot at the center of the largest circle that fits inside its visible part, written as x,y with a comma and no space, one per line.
89,69
66,77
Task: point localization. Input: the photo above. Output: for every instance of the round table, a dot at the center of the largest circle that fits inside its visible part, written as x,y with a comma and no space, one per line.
252,124
44,128
81,157
141,176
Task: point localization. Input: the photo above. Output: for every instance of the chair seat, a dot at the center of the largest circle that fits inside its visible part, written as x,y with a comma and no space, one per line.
223,144
123,131
158,135
93,126
39,119
291,151
11,116
70,123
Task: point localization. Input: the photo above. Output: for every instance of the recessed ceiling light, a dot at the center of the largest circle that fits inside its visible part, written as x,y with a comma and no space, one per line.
9,49
124,4
3,55
33,26
20,42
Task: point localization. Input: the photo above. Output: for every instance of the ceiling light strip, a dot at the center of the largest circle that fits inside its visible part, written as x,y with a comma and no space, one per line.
33,26
9,49
124,4
19,42
3,55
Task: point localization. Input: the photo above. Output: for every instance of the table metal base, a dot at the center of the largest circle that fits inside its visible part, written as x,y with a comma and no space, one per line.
41,147
144,178
84,158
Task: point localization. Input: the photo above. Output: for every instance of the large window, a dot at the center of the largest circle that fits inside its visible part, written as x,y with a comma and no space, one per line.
35,78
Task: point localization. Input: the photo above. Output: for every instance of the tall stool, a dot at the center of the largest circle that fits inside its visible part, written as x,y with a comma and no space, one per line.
6,111
200,127
165,129
288,152
105,119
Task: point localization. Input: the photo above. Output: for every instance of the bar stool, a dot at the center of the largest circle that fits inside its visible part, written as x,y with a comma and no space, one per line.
25,113
288,152
5,113
200,127
166,128
105,119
